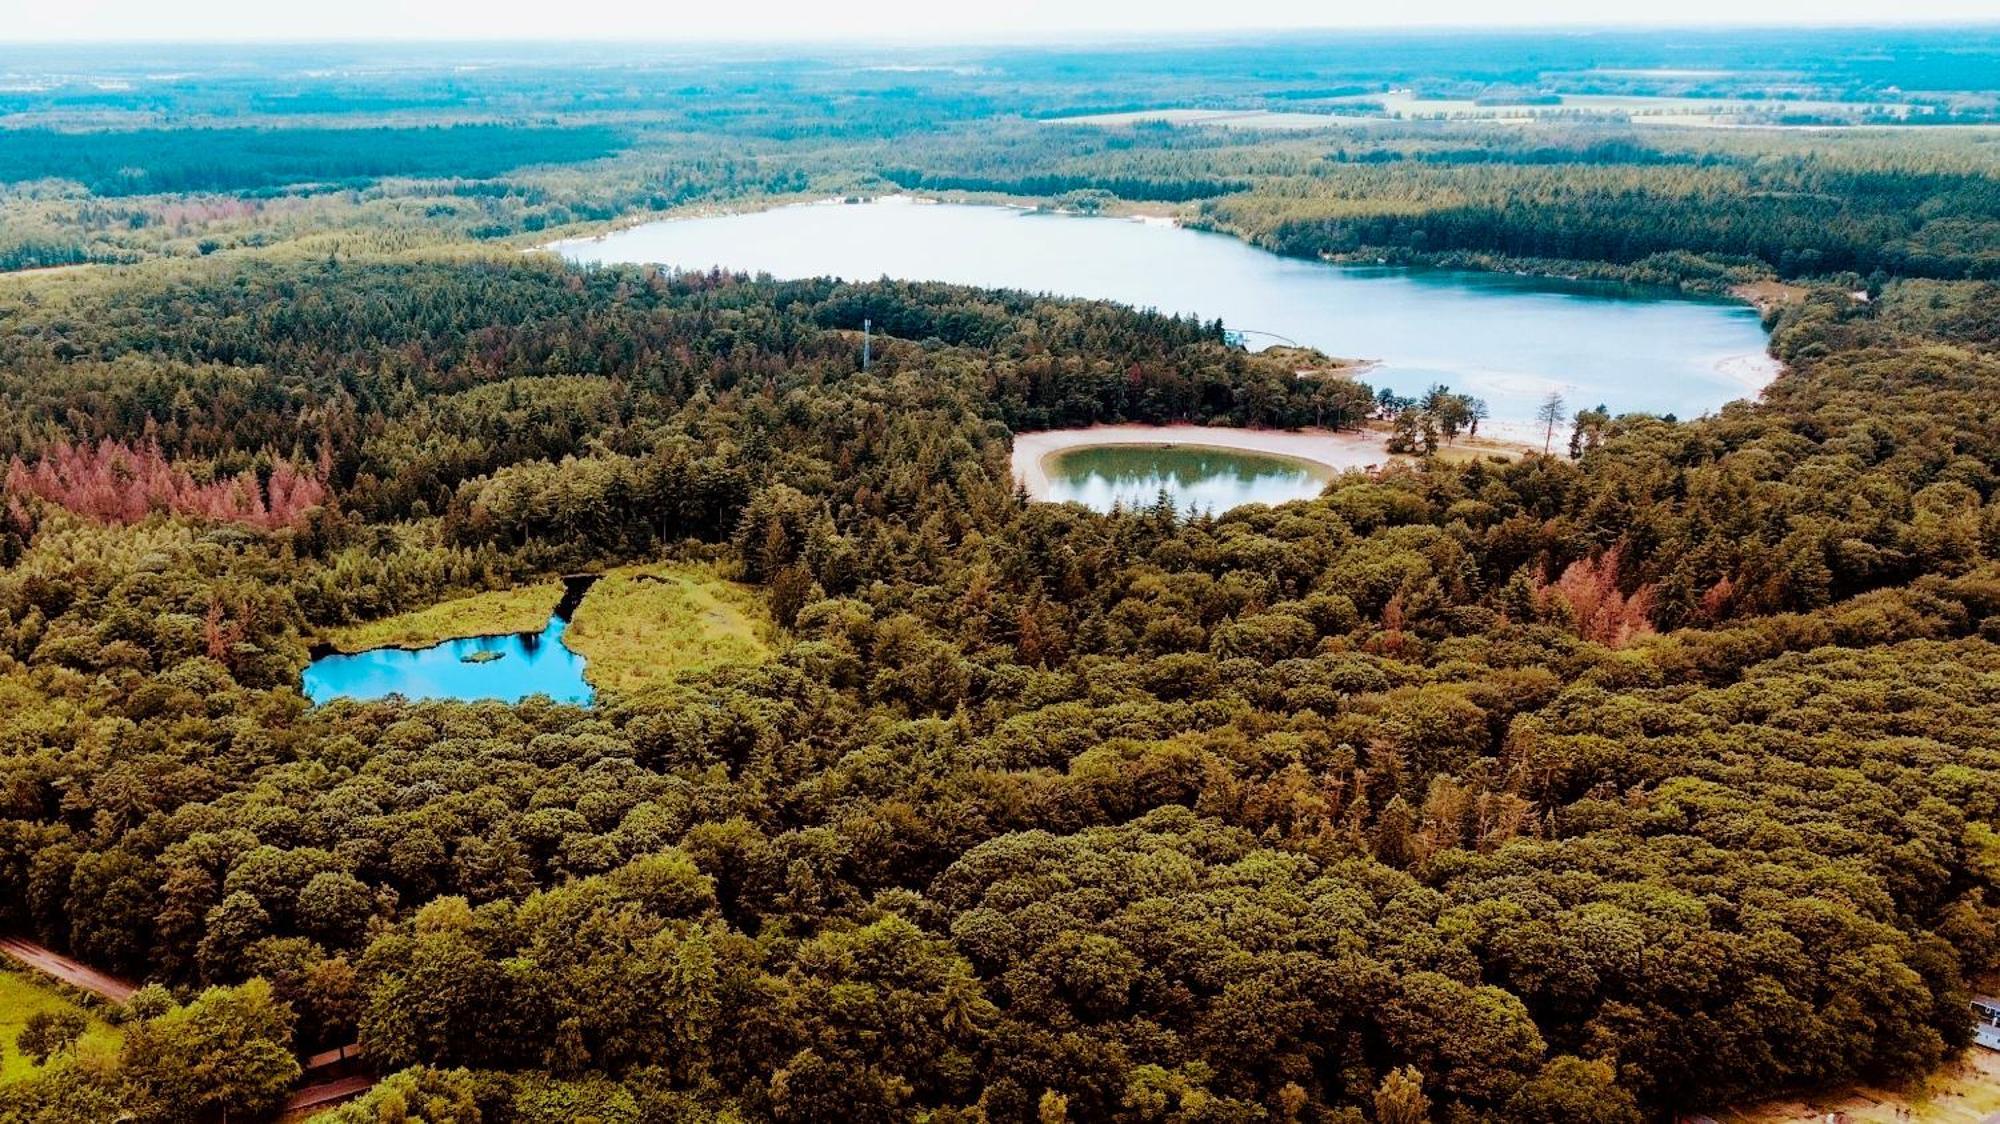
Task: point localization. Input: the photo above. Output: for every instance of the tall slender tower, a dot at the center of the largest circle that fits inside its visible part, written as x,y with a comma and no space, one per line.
867,326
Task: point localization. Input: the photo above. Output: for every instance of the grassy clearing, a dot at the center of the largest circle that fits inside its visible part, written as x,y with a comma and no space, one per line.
641,626
22,995
495,613
1468,451
1768,294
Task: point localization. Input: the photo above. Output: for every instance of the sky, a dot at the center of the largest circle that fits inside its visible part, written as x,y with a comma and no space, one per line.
671,20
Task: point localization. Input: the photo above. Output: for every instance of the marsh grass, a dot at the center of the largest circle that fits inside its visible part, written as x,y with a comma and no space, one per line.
495,613
641,626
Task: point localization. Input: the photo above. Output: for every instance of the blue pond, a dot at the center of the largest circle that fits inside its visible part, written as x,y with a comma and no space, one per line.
506,668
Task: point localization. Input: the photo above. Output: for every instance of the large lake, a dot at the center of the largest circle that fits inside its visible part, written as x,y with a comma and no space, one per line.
1505,338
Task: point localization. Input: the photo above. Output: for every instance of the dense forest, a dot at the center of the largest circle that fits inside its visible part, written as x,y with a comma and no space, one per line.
154,161
1802,221
1484,787
1598,787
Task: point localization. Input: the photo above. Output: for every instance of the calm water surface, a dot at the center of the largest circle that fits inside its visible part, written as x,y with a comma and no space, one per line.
1507,339
1195,478
528,663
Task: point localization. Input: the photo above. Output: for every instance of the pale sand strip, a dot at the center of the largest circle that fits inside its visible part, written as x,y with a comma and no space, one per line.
1336,450
1752,372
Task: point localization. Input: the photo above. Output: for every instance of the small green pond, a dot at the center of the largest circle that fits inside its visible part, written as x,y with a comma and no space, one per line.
1194,477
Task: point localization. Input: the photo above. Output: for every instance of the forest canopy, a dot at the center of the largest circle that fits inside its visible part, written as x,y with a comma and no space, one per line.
1129,813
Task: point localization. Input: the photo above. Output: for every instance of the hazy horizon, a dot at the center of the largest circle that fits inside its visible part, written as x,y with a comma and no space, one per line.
224,22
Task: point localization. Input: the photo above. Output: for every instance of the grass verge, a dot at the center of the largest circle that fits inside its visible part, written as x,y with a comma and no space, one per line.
21,995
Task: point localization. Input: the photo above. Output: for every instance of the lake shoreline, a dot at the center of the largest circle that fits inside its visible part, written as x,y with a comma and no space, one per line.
1509,339
1762,295
1337,450
585,233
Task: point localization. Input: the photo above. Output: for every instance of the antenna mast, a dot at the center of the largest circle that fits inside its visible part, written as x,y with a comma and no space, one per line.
867,327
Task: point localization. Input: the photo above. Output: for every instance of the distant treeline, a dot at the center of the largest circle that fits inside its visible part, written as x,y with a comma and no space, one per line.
1135,188
146,161
1605,152
40,255
1801,219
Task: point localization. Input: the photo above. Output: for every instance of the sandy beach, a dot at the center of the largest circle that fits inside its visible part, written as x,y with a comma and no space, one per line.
1752,372
1520,434
1336,450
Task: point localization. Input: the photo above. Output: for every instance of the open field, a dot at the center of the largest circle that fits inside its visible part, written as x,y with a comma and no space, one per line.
494,613
1265,119
1406,105
1336,450
21,995
640,626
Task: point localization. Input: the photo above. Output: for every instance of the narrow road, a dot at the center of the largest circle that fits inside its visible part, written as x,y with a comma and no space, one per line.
326,1094
68,971
302,1103
329,1058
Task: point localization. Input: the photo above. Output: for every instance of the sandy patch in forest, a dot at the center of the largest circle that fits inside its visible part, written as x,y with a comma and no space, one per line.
1336,450
1768,294
1752,372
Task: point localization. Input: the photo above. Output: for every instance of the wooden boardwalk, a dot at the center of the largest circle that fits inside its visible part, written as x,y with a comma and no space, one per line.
55,964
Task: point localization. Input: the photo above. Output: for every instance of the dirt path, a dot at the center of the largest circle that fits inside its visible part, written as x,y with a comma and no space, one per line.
68,971
1337,450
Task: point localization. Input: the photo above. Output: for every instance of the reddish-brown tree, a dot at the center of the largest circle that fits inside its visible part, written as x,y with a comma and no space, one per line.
118,483
1589,589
